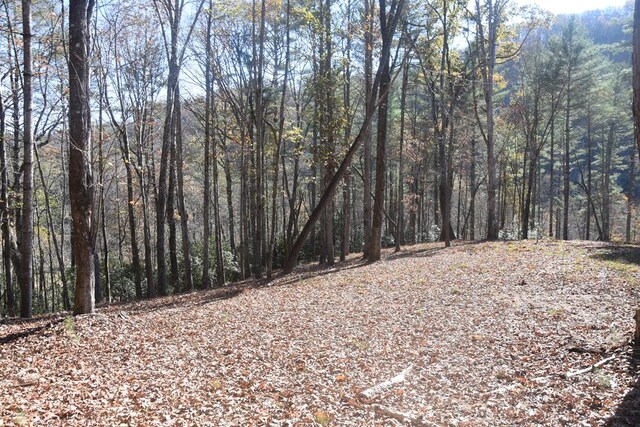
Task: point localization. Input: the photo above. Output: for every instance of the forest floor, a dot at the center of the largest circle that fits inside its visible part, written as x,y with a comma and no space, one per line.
490,331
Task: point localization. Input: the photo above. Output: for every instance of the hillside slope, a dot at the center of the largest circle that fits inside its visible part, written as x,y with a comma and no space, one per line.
490,329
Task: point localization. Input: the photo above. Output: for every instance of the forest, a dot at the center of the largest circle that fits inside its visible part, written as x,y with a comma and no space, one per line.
318,213
181,145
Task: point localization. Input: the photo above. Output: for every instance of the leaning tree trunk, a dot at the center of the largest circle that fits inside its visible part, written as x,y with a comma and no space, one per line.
81,188
391,23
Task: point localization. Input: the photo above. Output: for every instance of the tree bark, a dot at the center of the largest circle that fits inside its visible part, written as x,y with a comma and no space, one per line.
606,186
636,110
393,17
206,205
174,275
4,211
167,142
259,123
103,212
566,170
631,193
399,232
589,176
384,71
81,186
367,200
25,276
552,173
279,144
61,268
187,278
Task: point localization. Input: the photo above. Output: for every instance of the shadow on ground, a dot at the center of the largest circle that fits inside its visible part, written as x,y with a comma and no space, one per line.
628,412
186,300
9,338
629,254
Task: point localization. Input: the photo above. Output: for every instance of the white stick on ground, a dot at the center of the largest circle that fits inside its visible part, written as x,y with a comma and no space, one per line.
590,368
402,376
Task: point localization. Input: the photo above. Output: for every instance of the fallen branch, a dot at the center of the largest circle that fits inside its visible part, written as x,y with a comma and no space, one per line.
370,392
590,368
403,417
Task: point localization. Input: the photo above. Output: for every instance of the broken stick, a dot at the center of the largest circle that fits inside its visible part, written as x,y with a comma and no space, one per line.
590,368
370,392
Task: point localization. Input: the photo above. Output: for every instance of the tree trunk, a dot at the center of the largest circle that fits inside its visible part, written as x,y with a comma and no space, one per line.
206,205
472,203
81,188
552,173
391,23
103,213
368,83
606,187
328,133
217,223
182,210
259,124
567,170
488,69
636,111
174,275
589,176
375,245
230,211
25,277
4,211
399,233
346,95
528,189
167,144
61,268
631,193
346,217
636,336
279,143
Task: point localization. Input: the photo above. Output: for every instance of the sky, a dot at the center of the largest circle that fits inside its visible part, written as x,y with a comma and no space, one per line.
574,6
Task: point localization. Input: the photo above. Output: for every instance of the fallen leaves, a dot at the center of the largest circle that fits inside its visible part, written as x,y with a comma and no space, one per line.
487,327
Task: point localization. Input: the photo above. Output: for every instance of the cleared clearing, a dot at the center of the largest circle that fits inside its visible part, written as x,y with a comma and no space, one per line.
490,331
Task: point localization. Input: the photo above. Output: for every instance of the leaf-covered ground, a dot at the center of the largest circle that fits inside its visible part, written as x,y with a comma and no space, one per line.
490,329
